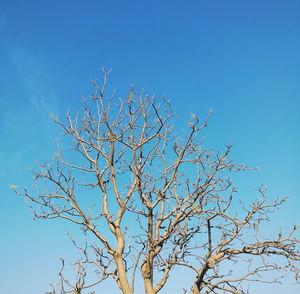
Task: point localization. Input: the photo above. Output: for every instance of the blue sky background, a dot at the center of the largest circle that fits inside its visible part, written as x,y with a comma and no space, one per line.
239,58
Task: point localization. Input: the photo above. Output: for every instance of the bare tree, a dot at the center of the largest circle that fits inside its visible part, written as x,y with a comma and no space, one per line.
149,200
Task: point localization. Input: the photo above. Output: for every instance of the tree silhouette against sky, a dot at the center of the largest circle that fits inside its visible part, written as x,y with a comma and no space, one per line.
150,198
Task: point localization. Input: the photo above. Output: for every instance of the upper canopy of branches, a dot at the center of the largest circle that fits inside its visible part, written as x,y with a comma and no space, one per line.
158,200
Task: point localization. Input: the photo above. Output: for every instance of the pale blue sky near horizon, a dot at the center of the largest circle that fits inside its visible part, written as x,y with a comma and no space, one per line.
239,58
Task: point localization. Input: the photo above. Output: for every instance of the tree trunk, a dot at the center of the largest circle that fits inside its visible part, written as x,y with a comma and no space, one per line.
122,277
195,289
148,277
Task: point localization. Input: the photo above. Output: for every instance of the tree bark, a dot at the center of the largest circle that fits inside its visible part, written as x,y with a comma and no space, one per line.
122,277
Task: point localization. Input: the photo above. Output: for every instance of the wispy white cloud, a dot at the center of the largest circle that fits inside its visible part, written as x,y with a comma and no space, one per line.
40,87
26,101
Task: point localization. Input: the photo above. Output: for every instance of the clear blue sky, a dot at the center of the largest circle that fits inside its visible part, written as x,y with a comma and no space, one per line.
240,58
